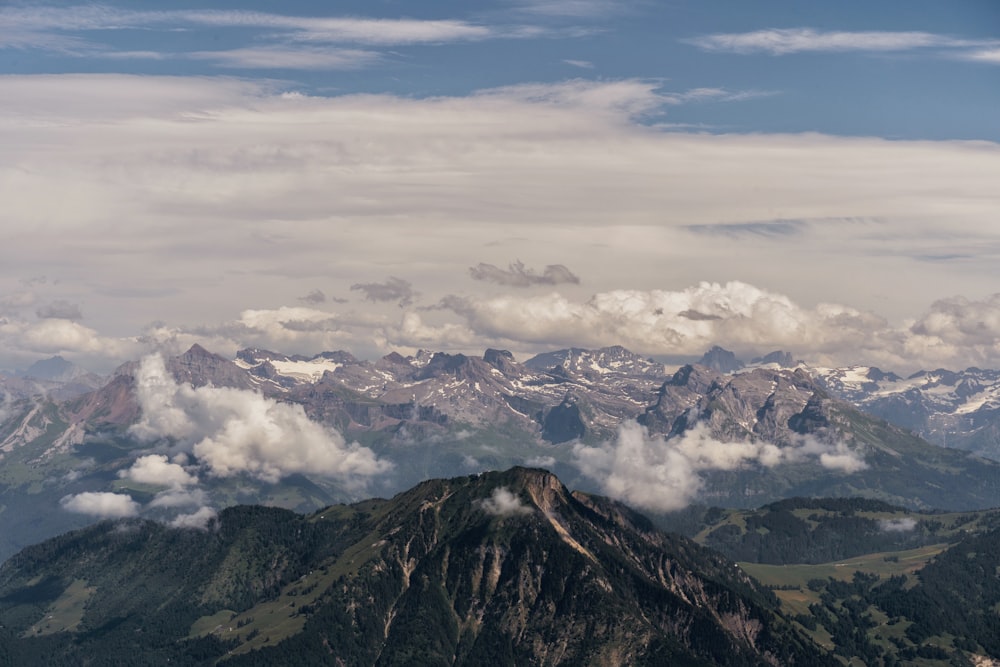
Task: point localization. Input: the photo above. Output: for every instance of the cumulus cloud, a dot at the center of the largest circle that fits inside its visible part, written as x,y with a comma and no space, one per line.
101,504
231,432
502,502
157,469
903,525
516,275
22,341
660,474
961,321
393,289
291,329
736,314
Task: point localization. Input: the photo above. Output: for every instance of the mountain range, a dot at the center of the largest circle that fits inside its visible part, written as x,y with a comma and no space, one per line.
236,532
718,432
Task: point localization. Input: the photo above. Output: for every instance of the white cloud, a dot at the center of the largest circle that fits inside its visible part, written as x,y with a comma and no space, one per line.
180,497
281,57
241,196
782,41
156,469
640,471
359,30
24,341
101,504
503,503
903,525
414,333
661,322
572,8
660,474
632,97
198,520
696,95
232,432
957,332
984,55
540,462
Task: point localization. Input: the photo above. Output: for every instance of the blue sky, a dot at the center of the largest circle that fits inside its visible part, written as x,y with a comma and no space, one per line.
924,70
527,174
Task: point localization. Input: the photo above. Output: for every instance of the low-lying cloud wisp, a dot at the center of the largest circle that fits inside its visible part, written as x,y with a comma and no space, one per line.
101,504
502,502
221,432
660,474
232,432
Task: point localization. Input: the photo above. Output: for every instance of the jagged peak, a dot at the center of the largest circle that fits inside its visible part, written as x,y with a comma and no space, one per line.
721,359
395,358
197,350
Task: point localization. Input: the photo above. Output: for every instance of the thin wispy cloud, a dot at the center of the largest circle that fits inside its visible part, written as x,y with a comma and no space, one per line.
984,55
280,41
784,41
696,95
357,30
13,38
302,58
765,228
572,8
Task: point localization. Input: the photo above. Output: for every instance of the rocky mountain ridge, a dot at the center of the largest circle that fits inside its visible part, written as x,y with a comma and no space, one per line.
958,409
745,438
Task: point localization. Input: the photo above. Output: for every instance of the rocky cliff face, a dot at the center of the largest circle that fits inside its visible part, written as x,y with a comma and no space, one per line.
437,414
758,404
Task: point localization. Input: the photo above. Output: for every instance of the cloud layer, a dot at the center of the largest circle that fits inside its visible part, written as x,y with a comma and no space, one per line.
241,197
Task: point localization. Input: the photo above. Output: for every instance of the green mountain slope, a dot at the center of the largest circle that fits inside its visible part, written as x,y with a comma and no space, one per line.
820,530
501,568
